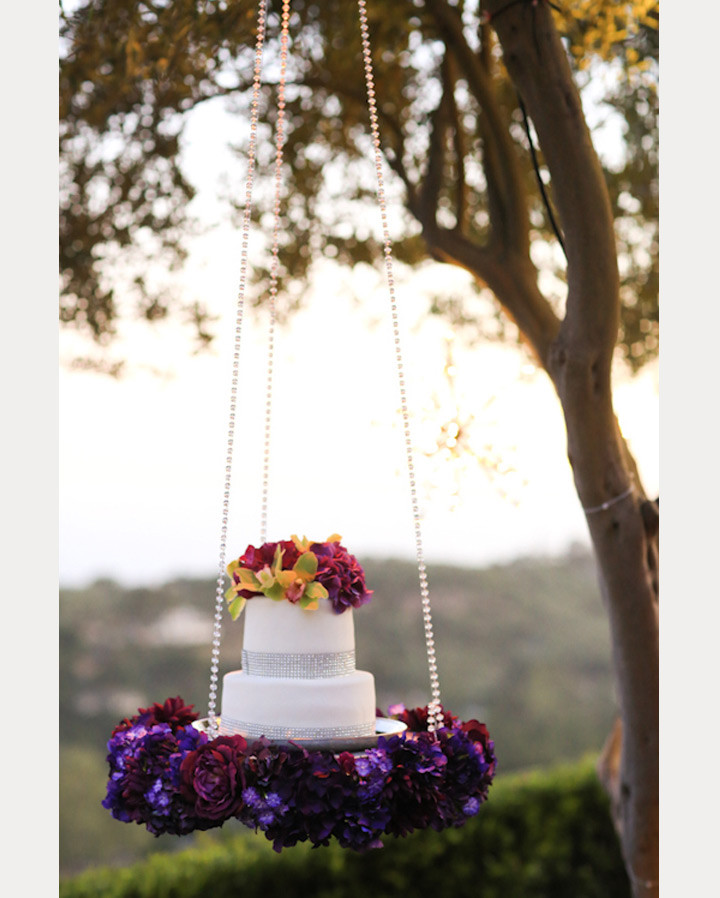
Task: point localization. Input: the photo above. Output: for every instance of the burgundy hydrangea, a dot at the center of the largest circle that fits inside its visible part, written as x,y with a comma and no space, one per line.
173,711
213,777
416,719
341,574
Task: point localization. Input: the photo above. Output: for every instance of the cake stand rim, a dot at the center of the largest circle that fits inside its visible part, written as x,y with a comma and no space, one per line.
384,726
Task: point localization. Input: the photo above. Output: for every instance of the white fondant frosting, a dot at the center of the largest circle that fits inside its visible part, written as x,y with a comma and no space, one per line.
318,695
283,627
301,708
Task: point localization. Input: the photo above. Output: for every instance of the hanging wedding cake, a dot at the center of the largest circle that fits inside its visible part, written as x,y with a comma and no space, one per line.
298,679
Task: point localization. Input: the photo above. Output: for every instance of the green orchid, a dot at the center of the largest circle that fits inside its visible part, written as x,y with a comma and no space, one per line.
303,545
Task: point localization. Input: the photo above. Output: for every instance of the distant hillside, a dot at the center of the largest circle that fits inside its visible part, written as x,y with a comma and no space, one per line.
522,646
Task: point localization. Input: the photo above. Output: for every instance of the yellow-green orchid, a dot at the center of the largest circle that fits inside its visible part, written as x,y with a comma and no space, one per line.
304,544
296,585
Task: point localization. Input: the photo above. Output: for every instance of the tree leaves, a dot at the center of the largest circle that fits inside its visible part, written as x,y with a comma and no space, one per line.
132,72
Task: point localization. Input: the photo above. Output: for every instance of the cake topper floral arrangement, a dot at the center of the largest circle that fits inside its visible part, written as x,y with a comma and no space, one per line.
298,571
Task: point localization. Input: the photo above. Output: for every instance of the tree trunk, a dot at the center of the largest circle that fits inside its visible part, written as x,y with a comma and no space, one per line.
621,522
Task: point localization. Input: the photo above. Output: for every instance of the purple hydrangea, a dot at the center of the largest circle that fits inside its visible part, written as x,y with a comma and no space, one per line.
263,811
144,782
274,773
330,800
412,785
467,775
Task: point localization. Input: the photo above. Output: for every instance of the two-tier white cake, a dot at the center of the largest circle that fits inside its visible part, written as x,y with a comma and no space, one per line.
298,677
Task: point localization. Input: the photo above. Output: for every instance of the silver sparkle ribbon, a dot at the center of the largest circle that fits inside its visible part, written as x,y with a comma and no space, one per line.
313,666
229,726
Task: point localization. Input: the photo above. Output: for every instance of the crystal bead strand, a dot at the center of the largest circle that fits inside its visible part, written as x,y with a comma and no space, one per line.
279,143
220,588
434,708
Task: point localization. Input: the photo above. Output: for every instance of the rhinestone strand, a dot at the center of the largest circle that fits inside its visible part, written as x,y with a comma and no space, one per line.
220,588
279,143
298,666
434,708
252,730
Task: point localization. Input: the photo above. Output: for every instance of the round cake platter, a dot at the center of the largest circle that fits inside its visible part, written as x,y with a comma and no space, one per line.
384,726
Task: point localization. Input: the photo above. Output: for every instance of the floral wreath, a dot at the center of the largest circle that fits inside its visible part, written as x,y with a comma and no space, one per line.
170,776
299,571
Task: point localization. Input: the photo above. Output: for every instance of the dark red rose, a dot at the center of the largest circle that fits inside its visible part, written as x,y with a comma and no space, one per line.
212,777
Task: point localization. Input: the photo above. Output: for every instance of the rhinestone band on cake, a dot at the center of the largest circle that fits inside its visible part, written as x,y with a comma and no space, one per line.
298,665
255,730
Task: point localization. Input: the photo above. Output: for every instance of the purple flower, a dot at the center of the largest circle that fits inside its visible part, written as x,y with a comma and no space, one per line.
466,778
172,779
251,798
411,787
273,773
144,781
213,777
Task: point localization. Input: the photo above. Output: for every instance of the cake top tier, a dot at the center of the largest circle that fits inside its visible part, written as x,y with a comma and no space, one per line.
299,571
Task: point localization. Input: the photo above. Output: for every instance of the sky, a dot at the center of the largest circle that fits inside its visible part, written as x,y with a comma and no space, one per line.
142,459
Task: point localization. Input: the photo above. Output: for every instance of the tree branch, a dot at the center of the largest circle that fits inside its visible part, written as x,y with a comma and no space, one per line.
435,169
459,147
537,63
511,277
508,209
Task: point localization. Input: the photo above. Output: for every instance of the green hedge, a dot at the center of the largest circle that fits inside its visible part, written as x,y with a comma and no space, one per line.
541,835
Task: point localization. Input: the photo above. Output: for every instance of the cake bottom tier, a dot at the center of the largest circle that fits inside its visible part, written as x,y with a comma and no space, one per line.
291,708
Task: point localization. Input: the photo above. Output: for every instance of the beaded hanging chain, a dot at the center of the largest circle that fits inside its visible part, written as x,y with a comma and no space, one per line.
434,708
220,585
279,143
435,713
